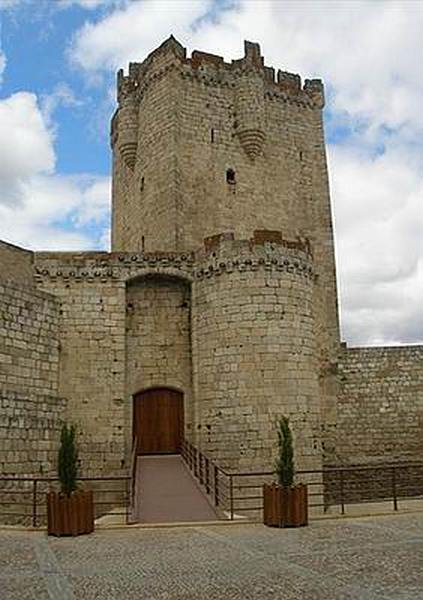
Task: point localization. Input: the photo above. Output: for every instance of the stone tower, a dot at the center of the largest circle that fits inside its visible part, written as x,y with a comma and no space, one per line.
226,163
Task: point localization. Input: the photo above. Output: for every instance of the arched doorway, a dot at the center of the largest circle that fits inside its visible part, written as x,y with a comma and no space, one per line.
158,421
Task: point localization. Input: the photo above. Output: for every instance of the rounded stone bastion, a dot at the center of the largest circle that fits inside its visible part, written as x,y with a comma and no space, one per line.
254,351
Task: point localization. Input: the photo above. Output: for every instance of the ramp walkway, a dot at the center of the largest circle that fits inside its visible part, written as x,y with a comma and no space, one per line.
166,492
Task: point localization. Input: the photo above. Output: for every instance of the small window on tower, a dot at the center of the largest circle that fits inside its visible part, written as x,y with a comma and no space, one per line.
230,176
142,184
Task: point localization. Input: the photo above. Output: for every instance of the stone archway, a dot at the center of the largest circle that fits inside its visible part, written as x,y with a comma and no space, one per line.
158,341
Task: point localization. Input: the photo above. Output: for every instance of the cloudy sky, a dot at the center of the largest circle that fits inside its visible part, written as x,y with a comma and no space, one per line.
58,60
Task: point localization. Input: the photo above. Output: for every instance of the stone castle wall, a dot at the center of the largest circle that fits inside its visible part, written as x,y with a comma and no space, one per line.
30,406
16,265
380,407
232,326
92,357
124,327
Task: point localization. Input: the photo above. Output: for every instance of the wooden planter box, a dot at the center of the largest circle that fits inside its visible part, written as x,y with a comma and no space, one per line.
285,507
71,515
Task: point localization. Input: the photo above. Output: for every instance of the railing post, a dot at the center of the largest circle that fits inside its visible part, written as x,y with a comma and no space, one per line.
201,469
231,495
394,488
196,452
128,499
207,476
342,492
216,486
34,503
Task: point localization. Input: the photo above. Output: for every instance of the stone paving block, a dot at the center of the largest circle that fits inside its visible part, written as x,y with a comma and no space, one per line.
351,559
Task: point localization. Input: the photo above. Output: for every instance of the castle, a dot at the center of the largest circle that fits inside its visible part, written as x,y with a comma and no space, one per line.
216,309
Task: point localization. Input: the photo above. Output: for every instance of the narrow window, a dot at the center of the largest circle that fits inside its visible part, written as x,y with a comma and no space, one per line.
142,243
142,184
212,136
230,176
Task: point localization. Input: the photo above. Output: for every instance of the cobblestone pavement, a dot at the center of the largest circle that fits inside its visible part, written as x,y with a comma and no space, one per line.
362,559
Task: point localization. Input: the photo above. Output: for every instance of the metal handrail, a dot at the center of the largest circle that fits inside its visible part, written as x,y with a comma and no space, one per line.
34,492
56,479
232,501
210,475
133,468
226,488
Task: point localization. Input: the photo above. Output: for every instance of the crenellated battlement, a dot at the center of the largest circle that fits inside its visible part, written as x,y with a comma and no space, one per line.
221,253
213,70
267,238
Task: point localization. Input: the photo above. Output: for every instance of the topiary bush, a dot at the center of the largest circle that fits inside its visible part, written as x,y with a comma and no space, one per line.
68,460
285,461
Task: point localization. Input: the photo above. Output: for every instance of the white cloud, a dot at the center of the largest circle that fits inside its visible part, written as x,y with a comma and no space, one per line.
96,202
25,141
87,4
2,64
39,208
46,218
379,220
62,95
133,31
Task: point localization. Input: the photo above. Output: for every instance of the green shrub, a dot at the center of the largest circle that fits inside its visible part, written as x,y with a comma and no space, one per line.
68,460
285,460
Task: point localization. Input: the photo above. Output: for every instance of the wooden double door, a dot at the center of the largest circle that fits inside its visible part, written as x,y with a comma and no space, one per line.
158,421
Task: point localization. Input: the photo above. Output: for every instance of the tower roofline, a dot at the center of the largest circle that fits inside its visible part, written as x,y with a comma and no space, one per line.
171,54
